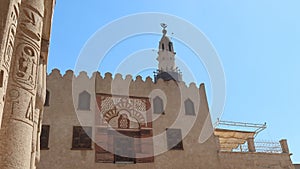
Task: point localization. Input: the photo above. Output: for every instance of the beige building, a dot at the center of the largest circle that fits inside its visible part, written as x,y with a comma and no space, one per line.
121,122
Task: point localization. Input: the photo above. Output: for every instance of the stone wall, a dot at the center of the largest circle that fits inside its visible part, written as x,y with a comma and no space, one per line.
62,115
239,160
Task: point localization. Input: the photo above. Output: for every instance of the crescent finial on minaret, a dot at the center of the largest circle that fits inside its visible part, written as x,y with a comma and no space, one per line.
163,25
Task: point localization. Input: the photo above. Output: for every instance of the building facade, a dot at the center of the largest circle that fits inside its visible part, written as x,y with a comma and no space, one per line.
111,122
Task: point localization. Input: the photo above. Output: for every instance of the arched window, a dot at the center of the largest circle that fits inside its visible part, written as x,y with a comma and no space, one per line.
163,46
170,46
189,107
158,105
84,101
47,99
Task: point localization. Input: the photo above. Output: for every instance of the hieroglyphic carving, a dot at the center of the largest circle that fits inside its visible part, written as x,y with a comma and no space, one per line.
22,60
10,40
30,111
22,82
7,48
27,52
14,95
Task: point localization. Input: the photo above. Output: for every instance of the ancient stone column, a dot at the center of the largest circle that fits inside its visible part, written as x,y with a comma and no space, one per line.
251,146
39,105
9,14
19,108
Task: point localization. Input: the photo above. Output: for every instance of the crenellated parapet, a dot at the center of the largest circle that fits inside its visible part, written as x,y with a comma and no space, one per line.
173,94
71,85
107,82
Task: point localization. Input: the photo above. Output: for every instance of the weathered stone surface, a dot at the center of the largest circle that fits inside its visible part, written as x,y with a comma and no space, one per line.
23,58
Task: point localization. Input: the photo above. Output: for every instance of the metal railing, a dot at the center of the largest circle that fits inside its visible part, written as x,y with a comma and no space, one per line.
268,147
261,146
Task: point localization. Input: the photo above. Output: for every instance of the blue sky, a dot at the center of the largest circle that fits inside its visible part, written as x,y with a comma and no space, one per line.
258,43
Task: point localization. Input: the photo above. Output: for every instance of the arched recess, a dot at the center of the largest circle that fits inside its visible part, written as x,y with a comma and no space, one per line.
84,101
189,107
158,105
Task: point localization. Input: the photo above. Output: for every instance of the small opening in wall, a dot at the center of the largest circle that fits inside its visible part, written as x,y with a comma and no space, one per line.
170,46
1,78
47,99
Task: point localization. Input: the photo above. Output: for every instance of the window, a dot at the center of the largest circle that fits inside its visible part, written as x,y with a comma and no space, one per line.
158,105
81,138
189,107
84,101
44,138
163,46
1,78
174,139
47,99
170,46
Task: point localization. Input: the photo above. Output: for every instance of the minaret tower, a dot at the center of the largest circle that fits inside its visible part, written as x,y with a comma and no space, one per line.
167,69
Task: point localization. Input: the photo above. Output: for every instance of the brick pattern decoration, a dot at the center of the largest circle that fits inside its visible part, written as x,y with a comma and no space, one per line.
109,143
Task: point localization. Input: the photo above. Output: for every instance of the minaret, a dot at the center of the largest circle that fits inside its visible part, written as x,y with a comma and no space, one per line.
167,69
